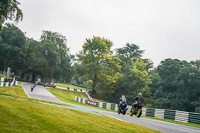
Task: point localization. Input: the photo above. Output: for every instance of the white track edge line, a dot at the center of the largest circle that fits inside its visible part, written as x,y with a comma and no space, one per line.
25,90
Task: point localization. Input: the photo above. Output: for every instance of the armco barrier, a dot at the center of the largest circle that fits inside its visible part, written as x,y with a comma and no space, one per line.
150,112
194,118
169,114
181,116
110,106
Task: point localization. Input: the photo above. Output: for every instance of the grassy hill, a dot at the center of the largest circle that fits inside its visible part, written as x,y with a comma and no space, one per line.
67,96
25,115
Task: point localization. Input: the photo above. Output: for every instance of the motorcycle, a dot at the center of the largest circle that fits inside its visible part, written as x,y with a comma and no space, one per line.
122,109
137,110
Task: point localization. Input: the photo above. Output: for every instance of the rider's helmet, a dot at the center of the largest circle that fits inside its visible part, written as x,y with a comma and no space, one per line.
139,94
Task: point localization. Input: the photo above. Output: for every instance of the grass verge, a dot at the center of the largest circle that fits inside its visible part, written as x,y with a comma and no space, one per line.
17,115
13,90
66,95
20,82
18,92
70,86
69,97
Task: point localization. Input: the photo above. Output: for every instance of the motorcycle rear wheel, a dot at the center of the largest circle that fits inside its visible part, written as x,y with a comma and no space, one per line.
124,111
131,112
139,112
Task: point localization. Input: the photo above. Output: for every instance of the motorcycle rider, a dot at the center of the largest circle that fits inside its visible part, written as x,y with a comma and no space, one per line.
138,100
122,102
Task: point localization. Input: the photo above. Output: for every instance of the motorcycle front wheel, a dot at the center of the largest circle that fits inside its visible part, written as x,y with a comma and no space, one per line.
119,111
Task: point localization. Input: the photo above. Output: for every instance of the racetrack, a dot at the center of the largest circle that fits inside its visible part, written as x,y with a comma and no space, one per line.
41,93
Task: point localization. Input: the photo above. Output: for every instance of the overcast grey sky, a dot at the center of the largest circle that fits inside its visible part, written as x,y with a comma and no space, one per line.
163,28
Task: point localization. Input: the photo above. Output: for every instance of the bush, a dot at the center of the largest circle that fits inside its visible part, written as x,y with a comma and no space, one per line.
197,109
2,76
51,85
40,83
47,85
17,77
148,105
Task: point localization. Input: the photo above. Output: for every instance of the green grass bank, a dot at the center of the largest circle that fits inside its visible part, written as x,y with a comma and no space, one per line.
18,115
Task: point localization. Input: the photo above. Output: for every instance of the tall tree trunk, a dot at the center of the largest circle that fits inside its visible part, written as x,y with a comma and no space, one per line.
33,77
94,84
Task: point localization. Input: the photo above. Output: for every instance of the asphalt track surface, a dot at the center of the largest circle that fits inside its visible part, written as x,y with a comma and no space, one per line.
39,92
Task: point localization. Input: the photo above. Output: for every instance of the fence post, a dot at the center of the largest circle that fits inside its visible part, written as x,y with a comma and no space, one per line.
159,113
104,105
100,105
112,107
79,99
116,107
97,104
150,112
129,108
83,101
169,114
181,116
108,106
194,118
144,111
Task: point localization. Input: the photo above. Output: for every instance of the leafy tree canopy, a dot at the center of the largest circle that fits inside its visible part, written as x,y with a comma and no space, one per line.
9,10
98,63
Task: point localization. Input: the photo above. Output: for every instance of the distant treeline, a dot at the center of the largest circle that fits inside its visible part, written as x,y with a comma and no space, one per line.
48,57
173,84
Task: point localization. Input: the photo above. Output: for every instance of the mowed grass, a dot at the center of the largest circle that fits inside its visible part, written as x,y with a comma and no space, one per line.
13,90
18,91
66,95
70,86
20,82
69,97
17,115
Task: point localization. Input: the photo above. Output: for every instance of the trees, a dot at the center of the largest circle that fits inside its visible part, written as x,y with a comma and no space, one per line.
134,79
134,72
175,85
129,52
48,58
9,10
98,63
54,48
13,46
36,63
